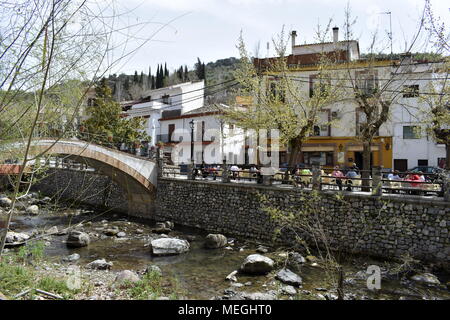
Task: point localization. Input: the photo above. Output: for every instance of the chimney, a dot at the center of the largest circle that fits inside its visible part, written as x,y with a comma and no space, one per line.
293,36
335,35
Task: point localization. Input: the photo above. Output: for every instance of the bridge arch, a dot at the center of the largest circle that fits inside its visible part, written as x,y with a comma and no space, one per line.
137,176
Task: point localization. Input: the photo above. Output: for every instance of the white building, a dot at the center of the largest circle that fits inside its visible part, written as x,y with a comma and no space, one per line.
335,137
213,139
180,98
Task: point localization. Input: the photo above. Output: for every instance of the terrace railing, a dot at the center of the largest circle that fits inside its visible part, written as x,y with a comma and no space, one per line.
319,178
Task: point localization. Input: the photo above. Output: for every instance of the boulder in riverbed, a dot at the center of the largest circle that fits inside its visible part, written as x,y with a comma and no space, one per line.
5,202
77,239
426,278
52,230
72,257
214,241
127,276
153,268
14,237
111,232
289,277
169,246
33,209
257,264
100,264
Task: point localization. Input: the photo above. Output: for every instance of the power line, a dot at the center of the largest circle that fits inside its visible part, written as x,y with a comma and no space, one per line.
386,90
137,114
200,89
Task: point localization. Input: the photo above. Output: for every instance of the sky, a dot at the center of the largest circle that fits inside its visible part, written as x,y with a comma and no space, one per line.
182,30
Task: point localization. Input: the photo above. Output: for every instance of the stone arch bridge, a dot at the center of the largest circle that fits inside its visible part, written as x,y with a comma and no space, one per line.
136,175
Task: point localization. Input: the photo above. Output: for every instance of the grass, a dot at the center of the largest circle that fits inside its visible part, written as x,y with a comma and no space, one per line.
17,274
152,286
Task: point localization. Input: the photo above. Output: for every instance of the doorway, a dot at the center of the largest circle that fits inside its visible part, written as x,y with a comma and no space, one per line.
359,160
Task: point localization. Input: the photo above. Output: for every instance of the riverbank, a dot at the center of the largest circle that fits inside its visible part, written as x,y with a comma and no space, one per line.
199,273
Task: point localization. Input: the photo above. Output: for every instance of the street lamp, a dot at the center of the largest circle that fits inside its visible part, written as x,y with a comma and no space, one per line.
191,171
191,125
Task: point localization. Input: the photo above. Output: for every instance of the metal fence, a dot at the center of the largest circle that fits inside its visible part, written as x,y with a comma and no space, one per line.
374,181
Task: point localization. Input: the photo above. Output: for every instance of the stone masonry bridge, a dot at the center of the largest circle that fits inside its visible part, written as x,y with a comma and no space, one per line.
137,176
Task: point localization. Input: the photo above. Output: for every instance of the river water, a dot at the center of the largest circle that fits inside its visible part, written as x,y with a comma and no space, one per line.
201,272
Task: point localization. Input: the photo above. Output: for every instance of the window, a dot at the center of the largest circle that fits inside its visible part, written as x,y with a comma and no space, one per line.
422,163
411,91
366,82
411,132
441,162
324,158
171,130
316,85
165,99
401,165
316,131
276,91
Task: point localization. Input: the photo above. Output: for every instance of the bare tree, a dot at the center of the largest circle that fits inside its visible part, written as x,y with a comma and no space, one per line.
52,54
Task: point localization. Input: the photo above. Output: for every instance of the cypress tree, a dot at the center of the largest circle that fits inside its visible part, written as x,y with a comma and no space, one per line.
141,80
149,79
135,77
186,73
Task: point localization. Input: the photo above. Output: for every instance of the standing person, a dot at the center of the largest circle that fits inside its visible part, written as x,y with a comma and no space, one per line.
338,175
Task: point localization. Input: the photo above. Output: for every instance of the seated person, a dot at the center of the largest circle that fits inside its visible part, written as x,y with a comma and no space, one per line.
351,174
338,175
235,171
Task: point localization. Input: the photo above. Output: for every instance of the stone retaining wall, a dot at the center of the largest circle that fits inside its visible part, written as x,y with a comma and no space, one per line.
83,187
389,226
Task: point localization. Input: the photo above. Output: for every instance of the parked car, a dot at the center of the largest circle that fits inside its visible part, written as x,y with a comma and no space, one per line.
431,173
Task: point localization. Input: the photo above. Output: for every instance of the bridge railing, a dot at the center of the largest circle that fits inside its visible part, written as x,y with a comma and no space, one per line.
374,181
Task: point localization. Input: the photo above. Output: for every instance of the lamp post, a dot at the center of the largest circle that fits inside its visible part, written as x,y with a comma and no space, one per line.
191,125
191,167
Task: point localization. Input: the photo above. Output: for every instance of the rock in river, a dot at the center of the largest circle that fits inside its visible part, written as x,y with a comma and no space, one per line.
153,268
33,209
169,246
99,264
13,237
257,264
77,239
72,257
289,277
214,241
127,276
5,202
427,278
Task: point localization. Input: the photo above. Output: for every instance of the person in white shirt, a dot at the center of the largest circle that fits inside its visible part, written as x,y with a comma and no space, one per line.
235,170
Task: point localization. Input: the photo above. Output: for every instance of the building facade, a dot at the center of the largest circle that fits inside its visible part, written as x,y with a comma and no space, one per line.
401,141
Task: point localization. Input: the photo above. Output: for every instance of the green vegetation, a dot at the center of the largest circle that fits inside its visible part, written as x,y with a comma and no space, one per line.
17,274
417,56
152,286
106,125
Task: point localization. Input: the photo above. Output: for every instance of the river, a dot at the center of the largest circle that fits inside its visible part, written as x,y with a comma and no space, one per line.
201,272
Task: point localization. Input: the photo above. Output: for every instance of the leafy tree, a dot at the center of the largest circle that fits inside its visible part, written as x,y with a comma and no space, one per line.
280,103
106,125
